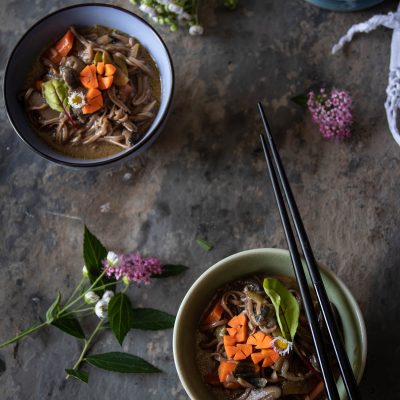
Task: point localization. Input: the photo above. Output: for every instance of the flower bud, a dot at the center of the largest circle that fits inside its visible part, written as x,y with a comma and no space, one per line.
85,272
195,30
91,297
112,258
101,309
107,295
125,279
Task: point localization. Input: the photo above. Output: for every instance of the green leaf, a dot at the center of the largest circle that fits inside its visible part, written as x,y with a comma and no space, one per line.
170,270
151,320
120,316
204,244
93,254
69,325
286,307
53,309
301,100
121,362
80,375
55,94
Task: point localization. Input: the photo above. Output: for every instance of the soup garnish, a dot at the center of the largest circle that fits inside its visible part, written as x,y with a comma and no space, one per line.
93,93
254,343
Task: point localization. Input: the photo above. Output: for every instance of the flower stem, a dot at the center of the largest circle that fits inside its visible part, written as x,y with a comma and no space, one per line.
76,290
87,345
24,333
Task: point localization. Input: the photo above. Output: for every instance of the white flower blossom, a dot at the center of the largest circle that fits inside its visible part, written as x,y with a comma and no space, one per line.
282,346
150,11
85,271
195,30
76,99
91,297
112,258
175,8
101,309
107,295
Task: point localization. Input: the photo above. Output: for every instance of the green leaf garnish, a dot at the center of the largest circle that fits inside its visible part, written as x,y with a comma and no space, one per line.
52,312
120,316
170,270
77,374
69,325
204,244
121,362
286,307
301,100
151,320
93,254
56,94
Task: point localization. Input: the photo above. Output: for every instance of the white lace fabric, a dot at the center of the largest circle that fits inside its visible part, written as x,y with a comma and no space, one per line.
391,21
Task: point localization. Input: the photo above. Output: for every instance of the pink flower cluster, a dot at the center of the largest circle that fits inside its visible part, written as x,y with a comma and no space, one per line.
133,267
332,113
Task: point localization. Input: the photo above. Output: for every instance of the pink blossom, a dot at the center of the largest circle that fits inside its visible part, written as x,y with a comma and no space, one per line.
134,268
332,113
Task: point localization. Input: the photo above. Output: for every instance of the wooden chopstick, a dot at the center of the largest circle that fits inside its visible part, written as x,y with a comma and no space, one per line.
347,374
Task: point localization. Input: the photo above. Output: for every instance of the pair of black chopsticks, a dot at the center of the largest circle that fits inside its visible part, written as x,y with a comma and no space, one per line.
277,173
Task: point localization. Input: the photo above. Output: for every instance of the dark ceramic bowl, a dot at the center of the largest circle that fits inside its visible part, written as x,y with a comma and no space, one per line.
54,25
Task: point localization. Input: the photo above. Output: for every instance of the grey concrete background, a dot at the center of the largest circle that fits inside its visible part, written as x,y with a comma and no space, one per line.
204,177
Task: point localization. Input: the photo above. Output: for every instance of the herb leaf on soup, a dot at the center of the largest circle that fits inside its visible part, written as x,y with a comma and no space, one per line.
56,94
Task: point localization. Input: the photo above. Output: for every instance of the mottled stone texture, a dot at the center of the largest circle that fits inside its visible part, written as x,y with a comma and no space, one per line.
205,177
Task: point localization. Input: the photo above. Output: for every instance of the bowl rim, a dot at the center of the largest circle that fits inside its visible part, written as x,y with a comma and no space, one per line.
267,250
118,156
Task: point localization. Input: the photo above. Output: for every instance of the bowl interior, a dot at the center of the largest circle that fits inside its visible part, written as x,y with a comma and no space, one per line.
268,261
54,26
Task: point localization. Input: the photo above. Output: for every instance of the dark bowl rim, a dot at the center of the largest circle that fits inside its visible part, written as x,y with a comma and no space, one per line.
141,144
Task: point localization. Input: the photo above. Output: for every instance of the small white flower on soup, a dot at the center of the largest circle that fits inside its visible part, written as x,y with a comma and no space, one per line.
175,8
91,297
112,259
107,295
101,309
195,30
282,346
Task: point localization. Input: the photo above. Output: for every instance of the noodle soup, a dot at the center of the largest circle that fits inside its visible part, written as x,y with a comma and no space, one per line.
93,93
250,346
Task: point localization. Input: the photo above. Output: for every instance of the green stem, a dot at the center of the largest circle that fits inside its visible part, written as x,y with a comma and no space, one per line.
24,333
76,289
87,345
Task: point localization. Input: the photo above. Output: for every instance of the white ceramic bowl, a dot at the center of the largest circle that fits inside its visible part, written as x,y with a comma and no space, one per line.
266,261
53,26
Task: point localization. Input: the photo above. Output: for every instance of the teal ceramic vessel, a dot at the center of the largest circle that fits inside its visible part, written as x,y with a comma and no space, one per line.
345,5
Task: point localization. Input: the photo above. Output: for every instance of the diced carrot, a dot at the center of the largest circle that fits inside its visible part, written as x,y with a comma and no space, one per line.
232,331
38,85
225,369
94,101
64,45
100,67
238,320
257,357
229,341
245,348
260,340
241,336
268,362
211,379
230,351
215,313
105,82
272,354
109,70
239,356
316,391
88,77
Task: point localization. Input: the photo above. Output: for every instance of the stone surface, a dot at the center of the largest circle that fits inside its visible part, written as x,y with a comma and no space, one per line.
205,177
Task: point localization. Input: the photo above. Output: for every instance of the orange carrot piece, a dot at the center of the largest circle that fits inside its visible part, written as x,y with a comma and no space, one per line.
316,391
230,351
94,101
257,357
272,354
88,77
241,336
268,362
232,331
100,67
239,356
109,70
215,314
64,45
105,82
238,320
260,340
229,341
233,322
245,348
225,369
